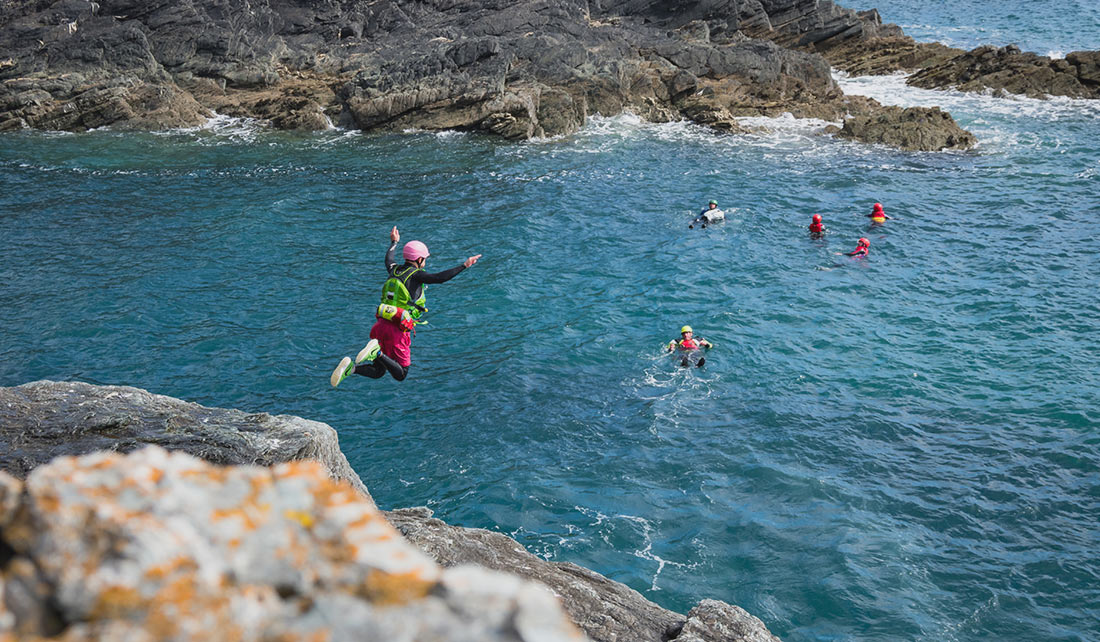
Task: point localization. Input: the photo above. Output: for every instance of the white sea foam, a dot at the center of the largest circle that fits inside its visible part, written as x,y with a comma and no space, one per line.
892,90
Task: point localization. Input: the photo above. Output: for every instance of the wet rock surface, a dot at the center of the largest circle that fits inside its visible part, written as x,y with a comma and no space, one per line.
913,128
514,69
157,545
1007,69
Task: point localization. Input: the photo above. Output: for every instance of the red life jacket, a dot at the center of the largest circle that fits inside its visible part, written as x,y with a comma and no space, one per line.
688,344
817,228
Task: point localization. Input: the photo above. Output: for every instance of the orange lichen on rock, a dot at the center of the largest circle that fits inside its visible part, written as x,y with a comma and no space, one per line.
390,589
158,545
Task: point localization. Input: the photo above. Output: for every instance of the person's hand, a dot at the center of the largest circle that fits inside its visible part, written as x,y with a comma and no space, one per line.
470,261
395,236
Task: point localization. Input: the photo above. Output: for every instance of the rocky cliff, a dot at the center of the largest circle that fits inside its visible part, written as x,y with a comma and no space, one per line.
514,68
42,420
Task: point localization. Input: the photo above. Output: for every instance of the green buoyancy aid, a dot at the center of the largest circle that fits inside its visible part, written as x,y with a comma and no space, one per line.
395,292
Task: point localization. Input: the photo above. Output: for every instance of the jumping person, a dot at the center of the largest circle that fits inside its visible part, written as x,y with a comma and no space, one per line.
403,301
687,345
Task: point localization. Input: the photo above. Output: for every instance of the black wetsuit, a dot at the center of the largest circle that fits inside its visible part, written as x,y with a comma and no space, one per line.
415,284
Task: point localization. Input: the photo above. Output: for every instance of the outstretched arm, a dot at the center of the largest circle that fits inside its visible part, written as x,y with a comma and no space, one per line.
446,275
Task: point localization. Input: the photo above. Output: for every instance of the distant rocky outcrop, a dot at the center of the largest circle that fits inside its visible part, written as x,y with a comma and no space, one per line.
42,420
163,546
913,128
1007,69
516,69
1003,70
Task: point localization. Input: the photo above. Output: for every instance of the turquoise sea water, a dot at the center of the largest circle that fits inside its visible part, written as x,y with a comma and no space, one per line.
899,448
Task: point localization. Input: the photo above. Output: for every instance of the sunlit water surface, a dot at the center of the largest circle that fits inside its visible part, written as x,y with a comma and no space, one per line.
902,447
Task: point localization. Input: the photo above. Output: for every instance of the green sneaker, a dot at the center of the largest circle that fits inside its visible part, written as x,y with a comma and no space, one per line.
369,352
342,371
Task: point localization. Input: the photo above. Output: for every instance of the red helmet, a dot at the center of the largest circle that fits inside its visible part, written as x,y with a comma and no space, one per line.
817,218
878,207
864,242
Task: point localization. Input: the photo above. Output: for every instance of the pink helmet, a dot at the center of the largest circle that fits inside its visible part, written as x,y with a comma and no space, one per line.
877,207
817,218
864,242
415,250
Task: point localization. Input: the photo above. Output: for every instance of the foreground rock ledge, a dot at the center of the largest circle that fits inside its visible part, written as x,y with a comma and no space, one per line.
43,419
156,545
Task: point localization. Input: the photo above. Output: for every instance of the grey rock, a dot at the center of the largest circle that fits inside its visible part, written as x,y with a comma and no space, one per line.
41,420
715,621
45,419
1007,69
514,69
913,128
604,609
157,545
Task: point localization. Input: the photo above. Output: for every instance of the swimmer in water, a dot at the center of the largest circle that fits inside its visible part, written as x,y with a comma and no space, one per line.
817,228
877,215
710,214
861,249
687,345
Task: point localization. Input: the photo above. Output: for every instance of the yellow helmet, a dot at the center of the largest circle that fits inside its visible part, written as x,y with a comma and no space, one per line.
686,328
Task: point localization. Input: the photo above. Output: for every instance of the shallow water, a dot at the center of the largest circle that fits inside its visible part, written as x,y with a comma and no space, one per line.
902,447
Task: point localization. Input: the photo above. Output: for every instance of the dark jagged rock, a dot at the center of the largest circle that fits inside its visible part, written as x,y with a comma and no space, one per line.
913,128
515,69
41,420
1007,69
45,419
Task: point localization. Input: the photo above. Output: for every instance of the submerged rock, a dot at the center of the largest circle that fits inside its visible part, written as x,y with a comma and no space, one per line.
1007,69
156,545
912,128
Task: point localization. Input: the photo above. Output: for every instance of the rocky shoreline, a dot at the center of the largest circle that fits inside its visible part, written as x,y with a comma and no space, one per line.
144,530
517,70
1001,70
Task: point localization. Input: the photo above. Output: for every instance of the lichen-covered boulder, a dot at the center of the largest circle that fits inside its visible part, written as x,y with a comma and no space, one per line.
163,546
